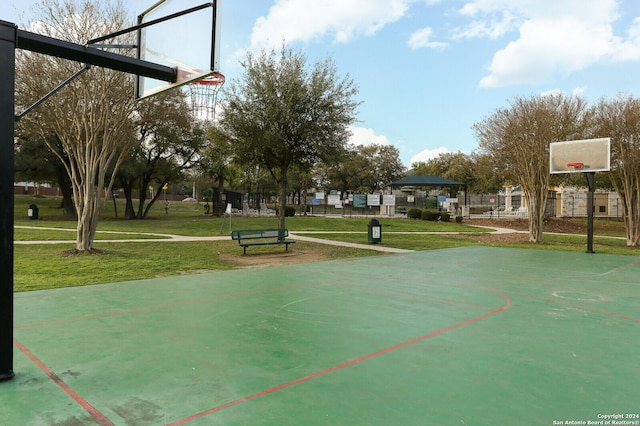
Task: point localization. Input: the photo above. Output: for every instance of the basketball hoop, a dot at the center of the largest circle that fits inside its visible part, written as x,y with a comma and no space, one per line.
575,166
204,94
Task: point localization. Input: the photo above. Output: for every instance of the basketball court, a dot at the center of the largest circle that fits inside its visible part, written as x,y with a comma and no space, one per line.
473,335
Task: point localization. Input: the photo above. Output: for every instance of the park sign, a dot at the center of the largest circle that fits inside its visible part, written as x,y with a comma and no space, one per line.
360,201
373,200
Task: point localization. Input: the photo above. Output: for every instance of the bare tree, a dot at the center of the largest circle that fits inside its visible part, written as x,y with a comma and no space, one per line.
283,116
518,138
619,119
90,116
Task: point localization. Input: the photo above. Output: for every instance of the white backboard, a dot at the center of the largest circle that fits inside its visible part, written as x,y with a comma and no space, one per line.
190,43
586,155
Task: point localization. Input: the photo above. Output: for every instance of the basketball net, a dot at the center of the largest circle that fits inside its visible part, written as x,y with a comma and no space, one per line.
204,96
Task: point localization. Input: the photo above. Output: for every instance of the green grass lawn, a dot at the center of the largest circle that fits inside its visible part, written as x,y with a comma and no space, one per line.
43,266
189,219
577,243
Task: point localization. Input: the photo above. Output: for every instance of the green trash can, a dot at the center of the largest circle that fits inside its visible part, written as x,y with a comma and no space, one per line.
33,212
374,232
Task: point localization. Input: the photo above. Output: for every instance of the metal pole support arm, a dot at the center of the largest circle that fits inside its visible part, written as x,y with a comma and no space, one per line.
53,92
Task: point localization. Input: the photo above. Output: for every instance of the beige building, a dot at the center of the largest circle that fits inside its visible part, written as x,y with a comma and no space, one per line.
572,202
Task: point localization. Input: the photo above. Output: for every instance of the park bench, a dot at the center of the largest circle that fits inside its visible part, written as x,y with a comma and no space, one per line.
261,237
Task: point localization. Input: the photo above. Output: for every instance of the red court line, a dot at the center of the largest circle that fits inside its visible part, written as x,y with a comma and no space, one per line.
97,415
167,305
345,364
620,268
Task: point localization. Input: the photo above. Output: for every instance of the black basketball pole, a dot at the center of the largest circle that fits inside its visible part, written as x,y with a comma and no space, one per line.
11,38
590,195
7,94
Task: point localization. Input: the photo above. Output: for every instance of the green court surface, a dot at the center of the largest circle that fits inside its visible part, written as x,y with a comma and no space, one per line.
465,336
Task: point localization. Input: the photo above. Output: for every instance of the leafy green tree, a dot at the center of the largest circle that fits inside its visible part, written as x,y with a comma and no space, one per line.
487,175
377,166
456,166
284,115
168,141
216,163
362,168
517,140
34,161
340,173
299,182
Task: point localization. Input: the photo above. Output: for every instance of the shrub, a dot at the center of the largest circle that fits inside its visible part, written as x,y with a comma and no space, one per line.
289,211
458,219
414,213
445,217
429,215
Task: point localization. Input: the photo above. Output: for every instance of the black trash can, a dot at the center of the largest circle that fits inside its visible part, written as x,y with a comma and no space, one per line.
33,212
374,232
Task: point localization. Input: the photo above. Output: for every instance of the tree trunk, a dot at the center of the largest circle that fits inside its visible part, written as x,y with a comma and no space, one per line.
115,205
152,201
64,183
282,200
535,205
127,188
631,216
142,198
87,206
220,205
67,201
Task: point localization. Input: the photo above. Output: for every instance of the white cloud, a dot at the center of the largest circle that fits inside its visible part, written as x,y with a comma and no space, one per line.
555,38
493,29
303,20
552,92
546,48
427,154
365,136
579,91
421,38
629,50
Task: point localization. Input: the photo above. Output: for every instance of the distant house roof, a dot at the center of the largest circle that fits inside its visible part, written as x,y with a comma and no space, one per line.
425,180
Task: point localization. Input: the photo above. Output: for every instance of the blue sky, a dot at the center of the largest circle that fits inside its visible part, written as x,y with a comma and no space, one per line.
429,69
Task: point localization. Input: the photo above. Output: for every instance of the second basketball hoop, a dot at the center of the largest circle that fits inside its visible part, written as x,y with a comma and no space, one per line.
587,155
575,166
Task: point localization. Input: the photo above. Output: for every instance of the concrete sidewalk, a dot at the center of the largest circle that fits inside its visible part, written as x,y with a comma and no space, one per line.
184,238
167,238
375,247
